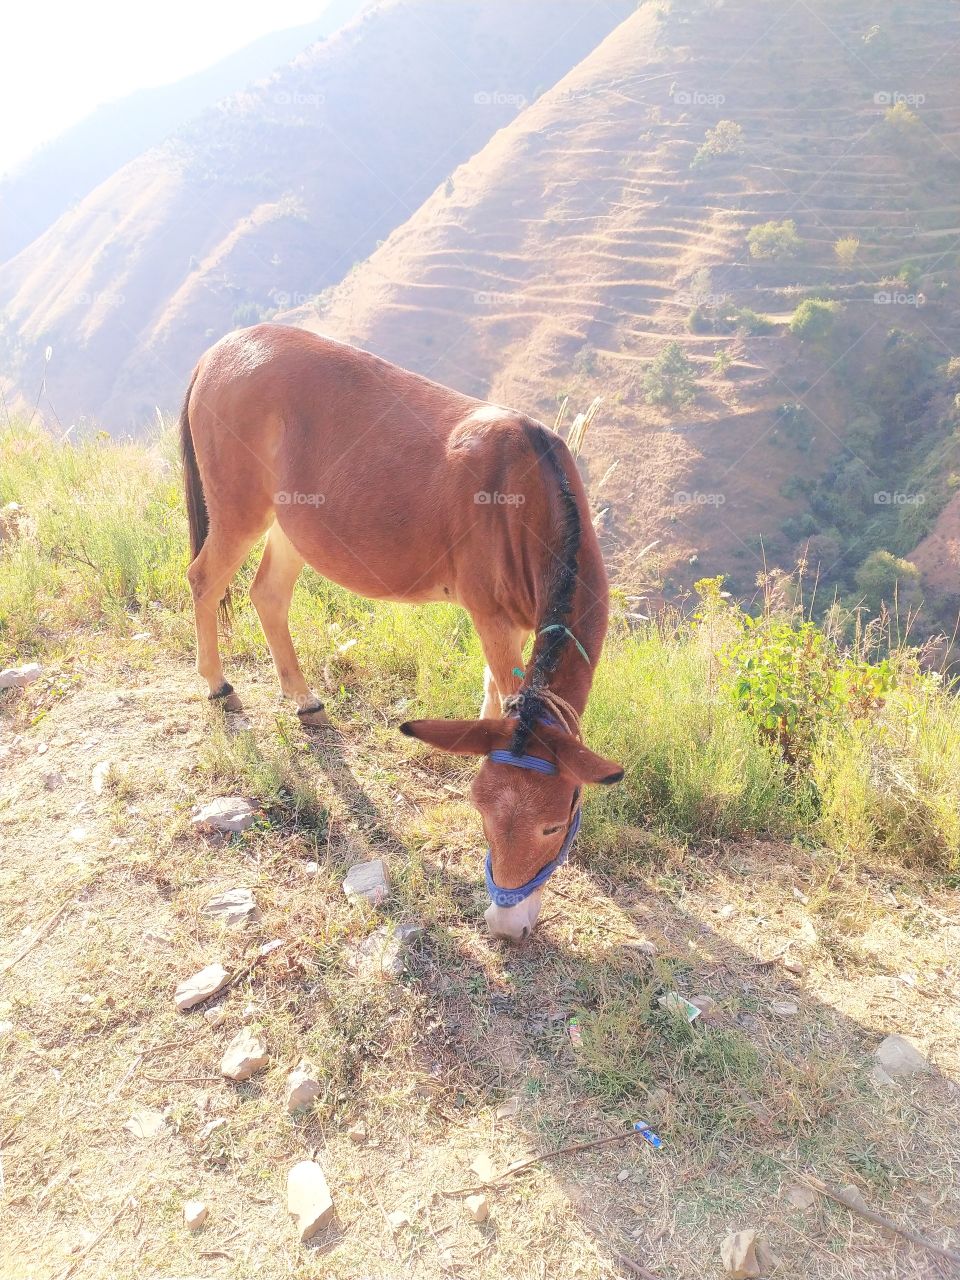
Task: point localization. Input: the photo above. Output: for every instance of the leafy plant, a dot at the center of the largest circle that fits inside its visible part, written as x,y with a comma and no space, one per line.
721,363
845,251
814,320
774,240
725,139
670,378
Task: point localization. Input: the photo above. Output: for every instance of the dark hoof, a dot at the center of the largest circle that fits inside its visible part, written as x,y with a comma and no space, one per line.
226,698
315,716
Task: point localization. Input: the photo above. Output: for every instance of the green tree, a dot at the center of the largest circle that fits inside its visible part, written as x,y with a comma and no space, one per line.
774,240
884,577
814,320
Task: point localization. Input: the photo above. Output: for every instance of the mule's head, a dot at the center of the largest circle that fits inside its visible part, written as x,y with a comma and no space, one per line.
527,812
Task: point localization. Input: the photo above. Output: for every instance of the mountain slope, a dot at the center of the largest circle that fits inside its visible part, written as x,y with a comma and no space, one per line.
60,174
588,236
273,196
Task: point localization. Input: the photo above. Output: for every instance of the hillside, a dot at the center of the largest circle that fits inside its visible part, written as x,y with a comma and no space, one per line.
603,225
271,197
65,170
807,904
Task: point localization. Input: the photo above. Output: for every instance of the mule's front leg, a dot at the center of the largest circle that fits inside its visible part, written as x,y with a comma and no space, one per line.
503,649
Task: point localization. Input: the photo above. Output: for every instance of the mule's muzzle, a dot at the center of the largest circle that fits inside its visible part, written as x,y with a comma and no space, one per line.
516,923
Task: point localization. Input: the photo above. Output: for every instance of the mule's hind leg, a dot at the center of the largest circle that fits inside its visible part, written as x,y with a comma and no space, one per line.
271,593
209,576
503,650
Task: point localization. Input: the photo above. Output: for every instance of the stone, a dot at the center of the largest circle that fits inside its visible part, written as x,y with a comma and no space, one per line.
234,908
195,1214
20,677
852,1196
200,987
369,880
478,1208
727,912
308,1198
706,1004
483,1167
216,1016
784,1008
507,1110
357,1133
99,775
53,781
793,966
303,1087
246,1055
800,1196
229,813
146,1123
641,947
738,1253
385,950
898,1056
211,1128
398,1220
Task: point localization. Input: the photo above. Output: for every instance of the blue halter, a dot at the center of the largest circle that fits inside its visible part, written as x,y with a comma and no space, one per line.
513,897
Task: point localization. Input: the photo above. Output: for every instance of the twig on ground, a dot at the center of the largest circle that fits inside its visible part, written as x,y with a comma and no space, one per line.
878,1220
519,1165
43,930
636,1268
128,1203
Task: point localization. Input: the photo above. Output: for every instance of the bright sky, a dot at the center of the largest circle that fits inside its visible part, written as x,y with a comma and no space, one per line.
62,58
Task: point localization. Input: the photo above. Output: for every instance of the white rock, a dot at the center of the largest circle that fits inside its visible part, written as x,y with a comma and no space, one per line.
308,1198
784,1008
200,987
233,908
303,1087
507,1110
146,1123
18,677
478,1208
230,813
738,1253
385,950
98,776
195,1214
5,1029
793,966
368,880
357,1133
800,1197
398,1220
245,1056
898,1056
483,1167
211,1128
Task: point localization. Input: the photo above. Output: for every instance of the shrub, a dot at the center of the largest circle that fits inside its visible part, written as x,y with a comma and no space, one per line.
774,240
725,139
883,578
845,251
814,320
751,322
902,121
670,378
721,363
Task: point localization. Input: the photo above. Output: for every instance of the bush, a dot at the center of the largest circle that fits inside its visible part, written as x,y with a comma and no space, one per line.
751,322
845,251
774,240
721,363
725,139
814,320
884,578
670,378
901,121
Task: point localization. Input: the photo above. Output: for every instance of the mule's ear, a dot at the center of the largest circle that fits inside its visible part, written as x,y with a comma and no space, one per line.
462,737
579,761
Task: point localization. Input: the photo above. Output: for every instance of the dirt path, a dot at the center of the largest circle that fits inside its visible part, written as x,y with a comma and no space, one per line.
470,1052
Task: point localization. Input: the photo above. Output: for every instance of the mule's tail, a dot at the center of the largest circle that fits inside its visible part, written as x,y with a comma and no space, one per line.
197,514
192,484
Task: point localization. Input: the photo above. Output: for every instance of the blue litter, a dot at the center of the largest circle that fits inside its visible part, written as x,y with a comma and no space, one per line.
647,1134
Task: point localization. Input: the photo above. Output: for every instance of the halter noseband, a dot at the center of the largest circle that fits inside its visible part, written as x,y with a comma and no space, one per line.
536,764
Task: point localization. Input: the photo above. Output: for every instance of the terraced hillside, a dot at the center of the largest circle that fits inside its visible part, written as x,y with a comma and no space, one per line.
610,221
271,197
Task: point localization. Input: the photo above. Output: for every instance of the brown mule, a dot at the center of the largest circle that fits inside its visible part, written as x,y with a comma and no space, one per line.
400,489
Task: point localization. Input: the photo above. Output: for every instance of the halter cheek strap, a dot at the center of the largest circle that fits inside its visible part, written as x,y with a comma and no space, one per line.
513,897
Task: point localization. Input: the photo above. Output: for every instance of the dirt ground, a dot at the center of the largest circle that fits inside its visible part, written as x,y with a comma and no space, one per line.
475,1049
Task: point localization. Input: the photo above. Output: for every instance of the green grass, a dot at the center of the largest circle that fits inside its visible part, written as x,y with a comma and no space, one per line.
98,546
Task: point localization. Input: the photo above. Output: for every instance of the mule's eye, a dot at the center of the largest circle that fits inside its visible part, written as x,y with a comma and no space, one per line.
552,831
